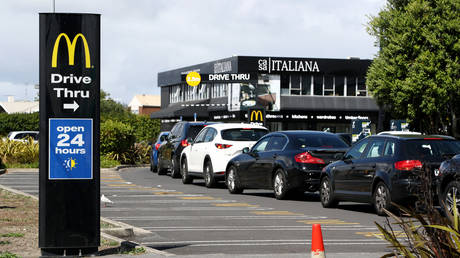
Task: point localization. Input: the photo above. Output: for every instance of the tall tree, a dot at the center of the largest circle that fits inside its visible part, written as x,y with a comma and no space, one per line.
415,74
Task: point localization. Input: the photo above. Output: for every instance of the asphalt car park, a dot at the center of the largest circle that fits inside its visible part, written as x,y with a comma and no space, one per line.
193,219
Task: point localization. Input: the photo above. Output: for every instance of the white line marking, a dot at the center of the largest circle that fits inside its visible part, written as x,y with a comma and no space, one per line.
176,201
211,217
109,209
271,241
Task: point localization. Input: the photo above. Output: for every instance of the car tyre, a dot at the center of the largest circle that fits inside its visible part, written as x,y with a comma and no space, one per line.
208,174
232,181
452,189
186,178
326,194
382,199
175,173
280,187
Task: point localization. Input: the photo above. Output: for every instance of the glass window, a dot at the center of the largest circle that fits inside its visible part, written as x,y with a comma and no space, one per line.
295,81
328,85
358,149
210,135
351,86
319,141
306,84
389,149
376,148
318,85
339,82
276,143
243,134
284,84
260,146
362,86
200,136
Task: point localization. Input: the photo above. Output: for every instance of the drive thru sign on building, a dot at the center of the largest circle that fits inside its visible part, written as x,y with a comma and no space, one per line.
69,214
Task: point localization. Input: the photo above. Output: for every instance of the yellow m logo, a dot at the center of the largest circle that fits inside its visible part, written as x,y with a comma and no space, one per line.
256,114
70,49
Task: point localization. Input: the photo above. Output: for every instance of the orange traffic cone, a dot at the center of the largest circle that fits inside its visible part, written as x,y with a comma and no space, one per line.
317,246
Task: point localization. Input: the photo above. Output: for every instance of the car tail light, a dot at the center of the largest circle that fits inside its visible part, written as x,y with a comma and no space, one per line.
157,146
408,164
223,146
184,143
306,157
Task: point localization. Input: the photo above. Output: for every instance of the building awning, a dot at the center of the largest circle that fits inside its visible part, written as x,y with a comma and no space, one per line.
184,109
329,103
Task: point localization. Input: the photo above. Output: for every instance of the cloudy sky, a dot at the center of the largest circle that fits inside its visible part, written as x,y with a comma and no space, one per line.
143,37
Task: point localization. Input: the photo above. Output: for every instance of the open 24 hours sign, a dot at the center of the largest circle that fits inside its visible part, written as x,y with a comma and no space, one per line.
70,148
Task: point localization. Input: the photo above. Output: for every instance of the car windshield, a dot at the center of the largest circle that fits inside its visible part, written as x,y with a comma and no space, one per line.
193,131
243,134
319,141
430,149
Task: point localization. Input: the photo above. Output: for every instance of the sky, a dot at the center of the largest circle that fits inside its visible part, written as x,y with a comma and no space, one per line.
143,37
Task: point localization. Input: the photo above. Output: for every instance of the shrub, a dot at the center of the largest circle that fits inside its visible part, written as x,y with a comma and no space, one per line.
18,122
107,162
116,138
14,152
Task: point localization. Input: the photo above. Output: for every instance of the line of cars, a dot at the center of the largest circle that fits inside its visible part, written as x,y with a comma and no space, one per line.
379,169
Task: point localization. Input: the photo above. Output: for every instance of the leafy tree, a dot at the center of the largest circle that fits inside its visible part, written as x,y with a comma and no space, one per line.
416,72
110,109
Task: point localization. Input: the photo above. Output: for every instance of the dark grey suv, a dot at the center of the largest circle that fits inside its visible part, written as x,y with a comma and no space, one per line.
382,169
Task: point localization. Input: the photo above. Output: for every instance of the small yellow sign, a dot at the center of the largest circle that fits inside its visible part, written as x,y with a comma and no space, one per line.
193,79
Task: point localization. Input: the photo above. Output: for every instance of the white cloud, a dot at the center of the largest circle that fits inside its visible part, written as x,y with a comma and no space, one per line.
142,38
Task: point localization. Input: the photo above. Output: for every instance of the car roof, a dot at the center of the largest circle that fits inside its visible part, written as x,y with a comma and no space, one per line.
25,132
304,132
414,137
399,133
223,126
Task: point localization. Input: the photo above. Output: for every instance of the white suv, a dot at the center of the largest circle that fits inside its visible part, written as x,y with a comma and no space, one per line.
23,136
208,155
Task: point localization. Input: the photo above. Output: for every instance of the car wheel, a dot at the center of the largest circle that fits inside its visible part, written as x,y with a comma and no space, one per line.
326,194
382,199
280,185
232,181
208,172
452,191
175,173
186,178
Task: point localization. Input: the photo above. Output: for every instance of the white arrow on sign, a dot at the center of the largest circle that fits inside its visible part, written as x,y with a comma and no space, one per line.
73,106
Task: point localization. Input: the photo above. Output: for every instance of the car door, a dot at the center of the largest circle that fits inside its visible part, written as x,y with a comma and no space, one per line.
194,153
266,162
365,168
343,171
165,150
250,177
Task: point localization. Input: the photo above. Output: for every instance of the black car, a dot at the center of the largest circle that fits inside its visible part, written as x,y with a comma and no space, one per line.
179,137
382,169
285,161
448,182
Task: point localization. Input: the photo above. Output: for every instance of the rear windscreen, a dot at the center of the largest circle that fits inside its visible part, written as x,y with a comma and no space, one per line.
319,141
240,134
430,149
193,131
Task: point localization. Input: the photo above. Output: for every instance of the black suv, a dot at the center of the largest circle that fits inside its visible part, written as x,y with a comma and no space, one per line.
382,169
448,182
179,138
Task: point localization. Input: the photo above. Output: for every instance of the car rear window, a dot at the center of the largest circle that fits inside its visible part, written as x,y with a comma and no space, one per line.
429,149
193,131
319,141
242,134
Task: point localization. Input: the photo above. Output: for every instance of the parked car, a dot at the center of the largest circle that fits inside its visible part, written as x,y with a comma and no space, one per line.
179,138
448,182
23,135
346,137
382,169
154,153
207,156
285,161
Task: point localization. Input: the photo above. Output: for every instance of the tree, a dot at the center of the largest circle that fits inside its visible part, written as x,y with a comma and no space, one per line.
415,74
110,109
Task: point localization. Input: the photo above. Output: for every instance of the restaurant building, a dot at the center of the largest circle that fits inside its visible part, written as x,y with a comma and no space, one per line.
296,93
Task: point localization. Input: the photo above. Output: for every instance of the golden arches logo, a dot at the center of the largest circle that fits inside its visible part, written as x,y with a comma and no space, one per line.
71,49
256,114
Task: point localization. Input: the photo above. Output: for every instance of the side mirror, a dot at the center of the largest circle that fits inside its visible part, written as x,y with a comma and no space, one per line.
246,150
338,156
346,159
190,140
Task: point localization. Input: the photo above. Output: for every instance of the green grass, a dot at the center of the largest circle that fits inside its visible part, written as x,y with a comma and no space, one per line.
5,242
107,242
12,235
107,225
135,251
108,162
19,165
8,255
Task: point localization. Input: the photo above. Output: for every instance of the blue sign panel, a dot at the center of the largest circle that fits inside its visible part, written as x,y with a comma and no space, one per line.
70,148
